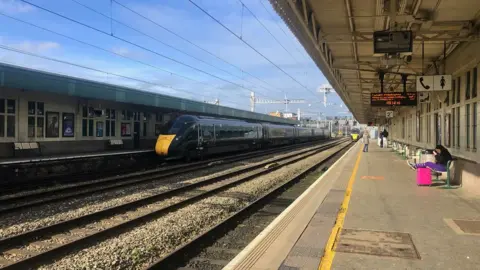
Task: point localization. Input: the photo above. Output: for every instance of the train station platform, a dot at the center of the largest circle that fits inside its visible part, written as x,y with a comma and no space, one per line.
366,212
68,157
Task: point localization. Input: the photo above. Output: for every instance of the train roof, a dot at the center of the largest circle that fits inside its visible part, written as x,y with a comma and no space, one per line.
198,118
217,119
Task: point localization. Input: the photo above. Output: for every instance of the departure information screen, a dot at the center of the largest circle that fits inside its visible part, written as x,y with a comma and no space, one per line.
393,99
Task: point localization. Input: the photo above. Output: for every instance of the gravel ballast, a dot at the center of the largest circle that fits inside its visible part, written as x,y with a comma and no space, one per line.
37,217
143,245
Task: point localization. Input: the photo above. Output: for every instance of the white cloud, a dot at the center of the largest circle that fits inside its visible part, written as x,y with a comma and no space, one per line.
120,50
36,46
14,7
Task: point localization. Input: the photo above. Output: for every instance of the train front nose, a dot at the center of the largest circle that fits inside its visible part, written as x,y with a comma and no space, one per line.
163,144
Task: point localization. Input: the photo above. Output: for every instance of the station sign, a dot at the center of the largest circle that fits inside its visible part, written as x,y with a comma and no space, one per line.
389,114
393,99
424,97
434,83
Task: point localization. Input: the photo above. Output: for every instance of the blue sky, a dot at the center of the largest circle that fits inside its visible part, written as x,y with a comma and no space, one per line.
206,62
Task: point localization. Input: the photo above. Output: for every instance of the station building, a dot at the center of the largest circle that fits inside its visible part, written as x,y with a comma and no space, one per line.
66,115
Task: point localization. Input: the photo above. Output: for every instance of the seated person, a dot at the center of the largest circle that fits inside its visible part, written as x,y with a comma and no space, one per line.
442,157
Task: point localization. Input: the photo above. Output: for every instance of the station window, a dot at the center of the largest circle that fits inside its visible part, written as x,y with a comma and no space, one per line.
99,129
474,126
458,127
403,127
88,114
467,124
159,118
475,82
447,129
136,116
36,119
7,117
467,89
146,119
438,128
453,127
454,89
110,126
429,128
420,125
126,115
459,84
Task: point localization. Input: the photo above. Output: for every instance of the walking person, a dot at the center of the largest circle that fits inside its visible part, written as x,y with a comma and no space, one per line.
381,139
366,140
384,135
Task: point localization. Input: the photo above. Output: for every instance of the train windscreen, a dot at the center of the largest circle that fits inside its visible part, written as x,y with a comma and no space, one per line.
180,125
355,130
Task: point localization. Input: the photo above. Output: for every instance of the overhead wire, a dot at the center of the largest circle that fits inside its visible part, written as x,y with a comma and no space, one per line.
105,50
8,48
193,44
269,32
97,47
249,45
132,43
281,28
155,39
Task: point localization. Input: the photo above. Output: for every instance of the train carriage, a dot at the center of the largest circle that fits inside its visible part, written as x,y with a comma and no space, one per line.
278,134
355,134
303,134
198,136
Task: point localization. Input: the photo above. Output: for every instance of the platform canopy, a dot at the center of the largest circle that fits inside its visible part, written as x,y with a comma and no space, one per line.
338,35
34,80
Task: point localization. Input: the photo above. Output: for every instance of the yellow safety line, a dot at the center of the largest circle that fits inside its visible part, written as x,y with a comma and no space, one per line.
329,254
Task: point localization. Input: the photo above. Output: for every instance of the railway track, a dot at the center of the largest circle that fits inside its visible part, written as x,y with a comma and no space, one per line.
187,251
10,204
45,244
7,190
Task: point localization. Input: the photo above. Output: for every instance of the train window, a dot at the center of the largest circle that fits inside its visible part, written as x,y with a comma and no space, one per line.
207,132
178,127
192,133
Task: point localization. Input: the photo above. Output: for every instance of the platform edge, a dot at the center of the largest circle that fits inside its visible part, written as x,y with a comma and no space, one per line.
260,237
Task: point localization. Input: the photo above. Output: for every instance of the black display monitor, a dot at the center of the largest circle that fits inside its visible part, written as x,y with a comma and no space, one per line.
392,42
393,99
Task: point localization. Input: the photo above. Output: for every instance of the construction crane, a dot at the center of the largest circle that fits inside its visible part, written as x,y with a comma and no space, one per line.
286,101
325,89
215,102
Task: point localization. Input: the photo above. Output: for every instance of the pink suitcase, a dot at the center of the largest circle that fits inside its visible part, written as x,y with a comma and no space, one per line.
424,177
